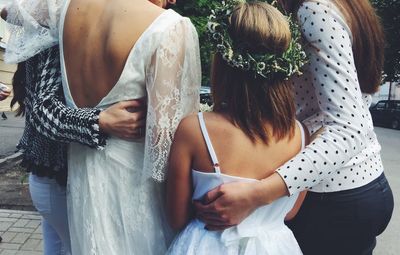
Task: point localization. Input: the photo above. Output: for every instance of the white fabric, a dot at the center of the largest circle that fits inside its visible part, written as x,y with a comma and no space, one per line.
115,207
33,26
262,233
346,154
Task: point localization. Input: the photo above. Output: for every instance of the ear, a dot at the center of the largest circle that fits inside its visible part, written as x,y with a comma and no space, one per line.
171,1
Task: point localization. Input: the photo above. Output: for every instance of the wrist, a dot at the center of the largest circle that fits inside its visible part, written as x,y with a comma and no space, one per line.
102,122
261,192
270,189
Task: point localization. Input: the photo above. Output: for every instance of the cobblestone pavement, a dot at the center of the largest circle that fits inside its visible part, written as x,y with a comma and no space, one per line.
21,233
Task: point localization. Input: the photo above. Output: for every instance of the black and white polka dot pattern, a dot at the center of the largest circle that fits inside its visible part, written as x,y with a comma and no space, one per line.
346,154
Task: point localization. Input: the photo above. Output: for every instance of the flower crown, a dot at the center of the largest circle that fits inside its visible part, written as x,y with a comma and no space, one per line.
266,65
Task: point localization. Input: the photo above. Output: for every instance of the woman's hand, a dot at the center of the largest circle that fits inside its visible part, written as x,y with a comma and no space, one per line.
125,120
229,204
4,92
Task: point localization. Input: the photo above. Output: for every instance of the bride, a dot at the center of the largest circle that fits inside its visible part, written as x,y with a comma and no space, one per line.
113,51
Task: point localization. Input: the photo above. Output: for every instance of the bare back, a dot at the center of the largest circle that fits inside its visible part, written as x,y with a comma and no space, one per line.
98,38
237,154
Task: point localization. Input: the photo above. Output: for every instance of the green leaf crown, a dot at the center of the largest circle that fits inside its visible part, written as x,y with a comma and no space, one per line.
266,65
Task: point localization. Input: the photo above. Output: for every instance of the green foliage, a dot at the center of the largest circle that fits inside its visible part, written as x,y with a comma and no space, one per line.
263,64
389,12
198,11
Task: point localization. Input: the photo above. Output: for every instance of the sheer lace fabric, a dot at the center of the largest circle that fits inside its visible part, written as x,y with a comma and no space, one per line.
33,26
172,88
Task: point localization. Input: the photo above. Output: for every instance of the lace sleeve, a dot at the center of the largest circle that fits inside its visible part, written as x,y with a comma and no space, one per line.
33,26
51,117
173,84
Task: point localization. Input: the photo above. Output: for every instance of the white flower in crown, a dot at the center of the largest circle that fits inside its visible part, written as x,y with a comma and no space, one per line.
230,53
212,26
264,64
206,108
261,66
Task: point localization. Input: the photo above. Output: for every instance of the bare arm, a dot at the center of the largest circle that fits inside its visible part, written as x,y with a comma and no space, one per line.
179,181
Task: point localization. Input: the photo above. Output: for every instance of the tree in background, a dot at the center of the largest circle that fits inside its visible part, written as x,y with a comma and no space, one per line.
388,10
198,11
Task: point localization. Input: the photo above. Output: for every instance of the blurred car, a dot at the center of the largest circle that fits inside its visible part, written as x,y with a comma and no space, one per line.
205,95
386,113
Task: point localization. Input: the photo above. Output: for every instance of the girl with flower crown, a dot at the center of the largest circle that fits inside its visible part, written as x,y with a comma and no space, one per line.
251,131
349,201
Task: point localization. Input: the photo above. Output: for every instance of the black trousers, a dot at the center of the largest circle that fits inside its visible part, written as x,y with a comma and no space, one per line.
344,222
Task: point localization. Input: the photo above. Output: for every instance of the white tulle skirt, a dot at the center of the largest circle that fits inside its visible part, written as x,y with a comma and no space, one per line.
242,240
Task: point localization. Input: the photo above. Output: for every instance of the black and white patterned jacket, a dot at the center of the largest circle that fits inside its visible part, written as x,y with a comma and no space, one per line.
50,124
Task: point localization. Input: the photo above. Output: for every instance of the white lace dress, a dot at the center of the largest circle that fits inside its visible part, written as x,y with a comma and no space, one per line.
262,233
115,195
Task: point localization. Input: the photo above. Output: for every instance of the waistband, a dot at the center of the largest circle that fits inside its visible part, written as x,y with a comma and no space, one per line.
381,180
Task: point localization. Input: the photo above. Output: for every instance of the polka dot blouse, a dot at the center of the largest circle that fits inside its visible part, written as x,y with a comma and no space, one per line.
345,153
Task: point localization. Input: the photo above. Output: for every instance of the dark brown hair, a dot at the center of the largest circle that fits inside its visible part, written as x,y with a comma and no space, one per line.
18,82
368,39
253,103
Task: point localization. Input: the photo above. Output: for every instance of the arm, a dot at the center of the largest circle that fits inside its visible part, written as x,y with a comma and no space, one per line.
53,119
173,85
302,194
179,179
4,92
339,96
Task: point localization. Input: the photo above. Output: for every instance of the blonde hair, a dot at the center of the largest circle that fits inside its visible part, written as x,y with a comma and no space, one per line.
248,100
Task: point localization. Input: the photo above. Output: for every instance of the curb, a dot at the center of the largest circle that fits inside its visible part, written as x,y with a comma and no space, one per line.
11,159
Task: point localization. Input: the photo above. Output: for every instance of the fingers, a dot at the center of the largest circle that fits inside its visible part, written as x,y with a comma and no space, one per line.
137,116
213,219
217,228
131,104
212,195
138,126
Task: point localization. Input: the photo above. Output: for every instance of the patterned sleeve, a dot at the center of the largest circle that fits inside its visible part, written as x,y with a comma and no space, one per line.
51,117
338,93
173,87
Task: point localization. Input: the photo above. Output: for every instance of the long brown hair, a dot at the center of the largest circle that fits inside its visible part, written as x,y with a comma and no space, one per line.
368,39
253,102
19,81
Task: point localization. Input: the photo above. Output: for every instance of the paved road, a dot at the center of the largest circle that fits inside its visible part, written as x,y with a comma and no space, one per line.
389,241
10,133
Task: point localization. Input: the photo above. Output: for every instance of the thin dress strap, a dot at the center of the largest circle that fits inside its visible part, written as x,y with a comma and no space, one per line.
303,135
210,147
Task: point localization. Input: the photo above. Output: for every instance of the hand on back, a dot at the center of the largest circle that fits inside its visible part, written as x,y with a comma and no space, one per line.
125,120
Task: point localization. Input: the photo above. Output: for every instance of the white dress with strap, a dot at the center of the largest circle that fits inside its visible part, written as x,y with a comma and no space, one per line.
261,233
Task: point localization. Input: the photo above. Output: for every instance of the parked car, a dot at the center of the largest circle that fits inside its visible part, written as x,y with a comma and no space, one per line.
386,113
205,95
